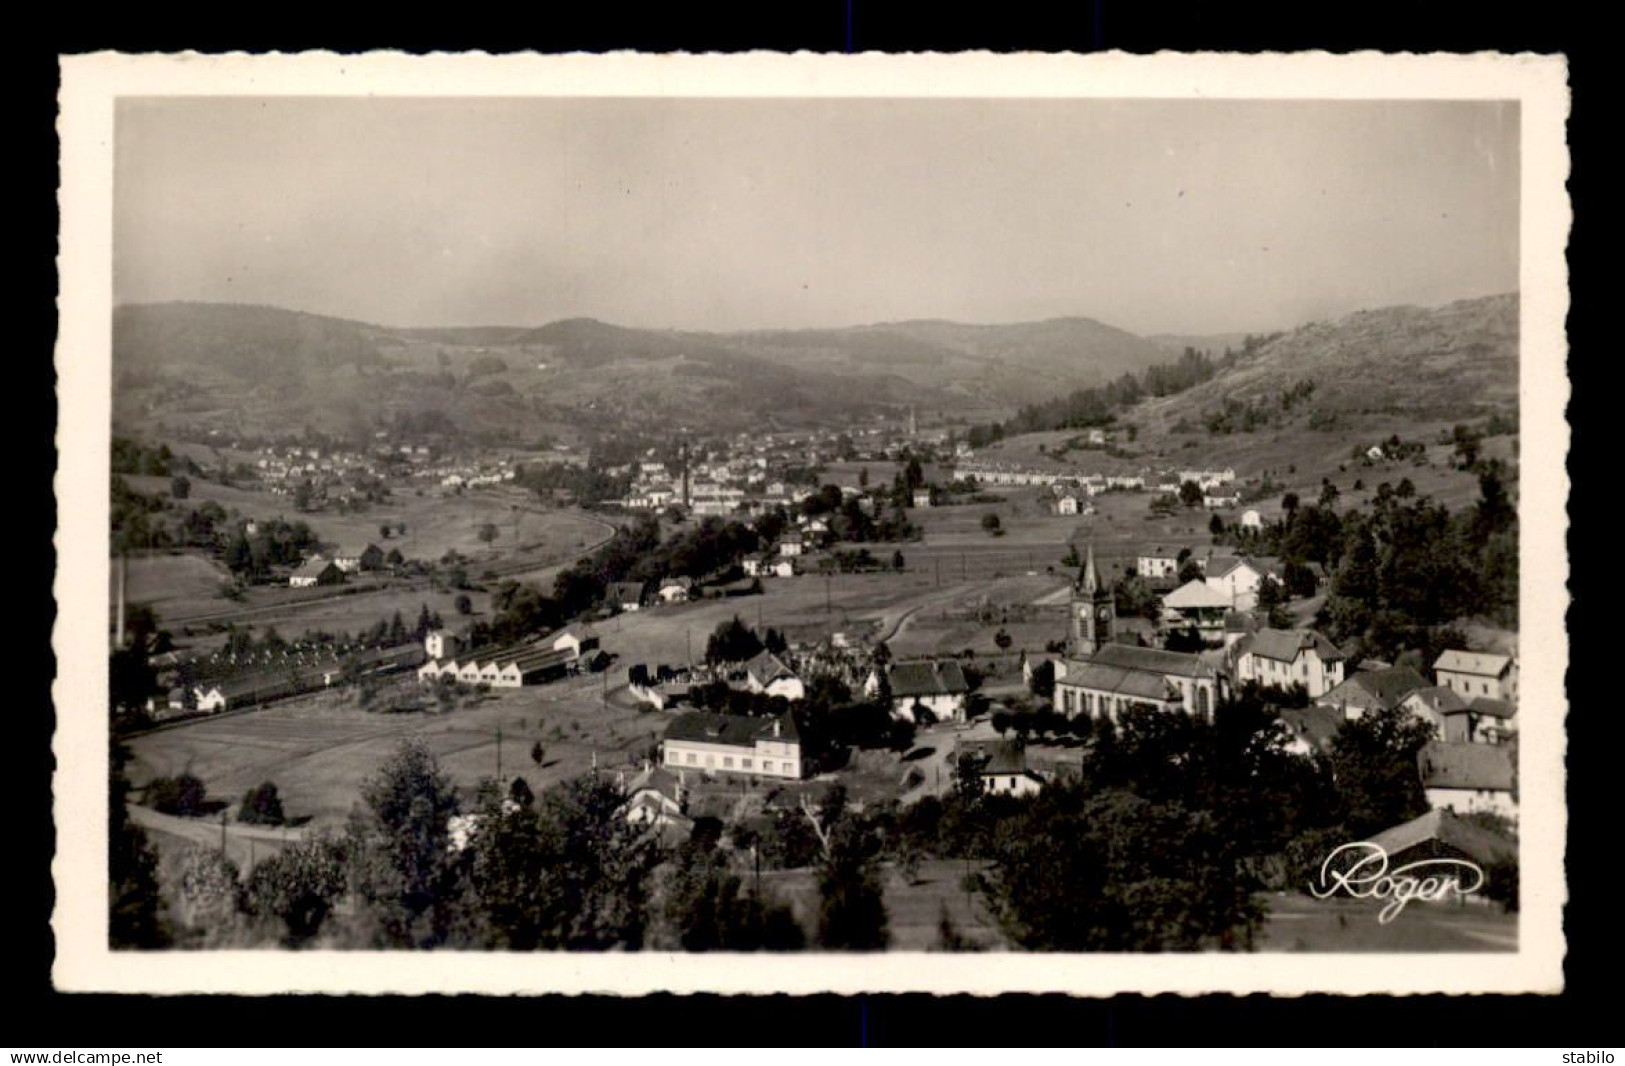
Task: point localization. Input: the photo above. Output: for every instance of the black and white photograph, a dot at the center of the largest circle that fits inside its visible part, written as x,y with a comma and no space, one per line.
776,523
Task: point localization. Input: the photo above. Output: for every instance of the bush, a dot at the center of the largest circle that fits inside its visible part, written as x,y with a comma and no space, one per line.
184,795
262,806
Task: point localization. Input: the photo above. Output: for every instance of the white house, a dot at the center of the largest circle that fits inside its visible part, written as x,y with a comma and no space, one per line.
1478,673
574,639
733,744
1067,504
1157,564
767,674
937,687
316,571
1251,519
1468,777
439,644
1237,578
922,497
791,543
1282,658
675,589
1006,773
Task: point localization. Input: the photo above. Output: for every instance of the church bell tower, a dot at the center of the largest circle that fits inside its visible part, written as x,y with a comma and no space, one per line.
1094,611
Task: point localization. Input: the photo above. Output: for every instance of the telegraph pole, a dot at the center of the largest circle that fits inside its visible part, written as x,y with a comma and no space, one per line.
499,754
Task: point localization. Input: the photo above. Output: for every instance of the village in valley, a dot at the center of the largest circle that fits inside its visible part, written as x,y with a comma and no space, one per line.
883,613
920,635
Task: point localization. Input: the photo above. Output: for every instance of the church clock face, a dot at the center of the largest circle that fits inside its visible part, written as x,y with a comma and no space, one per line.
1104,614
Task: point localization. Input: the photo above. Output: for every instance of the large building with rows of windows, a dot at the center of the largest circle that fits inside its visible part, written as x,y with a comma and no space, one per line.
734,744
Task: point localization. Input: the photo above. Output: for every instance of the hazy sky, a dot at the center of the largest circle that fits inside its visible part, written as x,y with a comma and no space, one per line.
1154,216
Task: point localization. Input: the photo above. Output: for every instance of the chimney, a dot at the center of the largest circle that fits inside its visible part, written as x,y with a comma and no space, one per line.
778,727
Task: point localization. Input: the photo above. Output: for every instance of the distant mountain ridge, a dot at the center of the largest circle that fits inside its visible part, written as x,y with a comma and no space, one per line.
223,364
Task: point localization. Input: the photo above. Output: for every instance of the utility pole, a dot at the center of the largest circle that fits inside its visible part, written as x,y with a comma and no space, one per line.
222,834
499,753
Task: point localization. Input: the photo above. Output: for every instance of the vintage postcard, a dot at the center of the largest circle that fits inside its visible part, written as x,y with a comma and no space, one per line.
766,523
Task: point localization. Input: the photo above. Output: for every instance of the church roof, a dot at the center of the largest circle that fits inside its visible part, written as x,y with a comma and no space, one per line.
1089,577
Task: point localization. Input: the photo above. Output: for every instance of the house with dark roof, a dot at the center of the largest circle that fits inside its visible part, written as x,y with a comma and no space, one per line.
355,560
1118,677
1373,690
1440,834
1468,777
1284,658
656,798
766,673
1310,729
733,744
1478,673
316,571
937,689
1006,772
628,595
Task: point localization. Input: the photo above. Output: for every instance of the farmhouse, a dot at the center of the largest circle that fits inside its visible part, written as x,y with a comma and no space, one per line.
676,589
937,688
356,560
1373,690
1468,777
734,744
1478,673
1066,504
922,497
791,544
627,595
1284,658
316,571
767,674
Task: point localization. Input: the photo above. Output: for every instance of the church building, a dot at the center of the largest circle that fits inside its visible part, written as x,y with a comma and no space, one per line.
1102,678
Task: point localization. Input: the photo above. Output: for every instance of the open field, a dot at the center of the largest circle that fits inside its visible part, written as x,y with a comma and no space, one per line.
436,521
319,749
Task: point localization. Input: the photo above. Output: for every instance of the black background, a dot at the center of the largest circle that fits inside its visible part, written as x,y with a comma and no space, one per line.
36,1016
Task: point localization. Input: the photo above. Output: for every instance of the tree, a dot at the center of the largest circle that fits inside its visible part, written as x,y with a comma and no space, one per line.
852,908
395,558
136,917
488,532
1215,526
1002,640
1373,761
538,754
465,606
209,892
1289,504
261,806
1190,494
384,530
1191,570
1328,493
180,487
732,642
990,522
399,842
303,496
897,560
299,887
